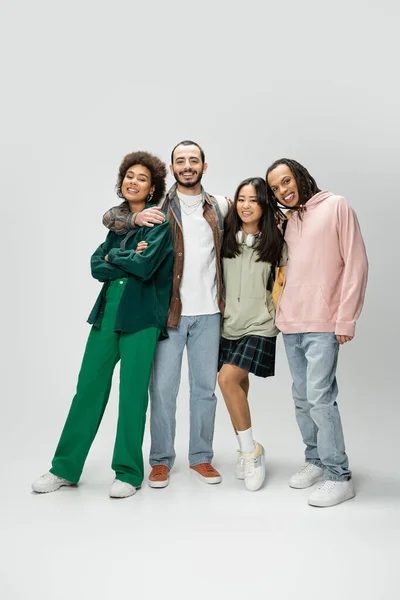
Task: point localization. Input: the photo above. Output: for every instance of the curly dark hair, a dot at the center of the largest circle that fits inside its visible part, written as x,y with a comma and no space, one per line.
157,169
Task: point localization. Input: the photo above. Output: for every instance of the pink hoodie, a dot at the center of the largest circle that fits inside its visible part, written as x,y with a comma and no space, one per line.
327,269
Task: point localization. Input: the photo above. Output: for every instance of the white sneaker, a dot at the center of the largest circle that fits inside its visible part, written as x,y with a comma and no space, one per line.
121,489
49,483
239,469
331,493
254,468
306,477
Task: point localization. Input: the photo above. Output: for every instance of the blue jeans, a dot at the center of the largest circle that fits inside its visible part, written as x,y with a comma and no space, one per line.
312,361
201,335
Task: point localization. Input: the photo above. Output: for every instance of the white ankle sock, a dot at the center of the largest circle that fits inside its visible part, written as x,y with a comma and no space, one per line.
246,440
239,442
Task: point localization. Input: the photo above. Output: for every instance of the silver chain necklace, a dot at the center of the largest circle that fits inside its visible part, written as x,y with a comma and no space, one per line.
190,208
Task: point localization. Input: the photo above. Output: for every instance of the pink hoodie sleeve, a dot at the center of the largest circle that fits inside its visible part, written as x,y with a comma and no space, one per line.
355,271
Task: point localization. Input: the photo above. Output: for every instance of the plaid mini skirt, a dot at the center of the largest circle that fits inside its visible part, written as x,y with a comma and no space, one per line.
253,353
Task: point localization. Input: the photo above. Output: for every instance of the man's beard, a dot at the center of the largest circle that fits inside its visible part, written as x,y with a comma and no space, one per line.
188,184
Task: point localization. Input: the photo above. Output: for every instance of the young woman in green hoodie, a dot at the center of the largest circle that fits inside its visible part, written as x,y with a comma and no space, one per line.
252,248
128,319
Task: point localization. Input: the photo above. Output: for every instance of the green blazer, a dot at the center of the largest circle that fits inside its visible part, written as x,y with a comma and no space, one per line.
146,297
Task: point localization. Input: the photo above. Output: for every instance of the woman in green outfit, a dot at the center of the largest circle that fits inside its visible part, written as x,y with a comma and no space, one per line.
128,319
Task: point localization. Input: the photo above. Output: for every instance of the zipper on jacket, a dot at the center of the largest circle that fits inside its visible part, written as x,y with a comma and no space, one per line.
126,238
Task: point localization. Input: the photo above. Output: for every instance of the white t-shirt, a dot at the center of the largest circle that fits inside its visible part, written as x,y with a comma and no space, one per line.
199,279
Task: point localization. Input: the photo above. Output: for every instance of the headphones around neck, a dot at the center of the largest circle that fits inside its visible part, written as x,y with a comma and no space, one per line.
248,238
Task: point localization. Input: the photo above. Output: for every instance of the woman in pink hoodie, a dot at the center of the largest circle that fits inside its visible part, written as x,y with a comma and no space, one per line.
321,300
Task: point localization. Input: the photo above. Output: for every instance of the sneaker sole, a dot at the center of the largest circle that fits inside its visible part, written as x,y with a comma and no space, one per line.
208,480
321,504
124,496
158,484
239,476
53,489
303,486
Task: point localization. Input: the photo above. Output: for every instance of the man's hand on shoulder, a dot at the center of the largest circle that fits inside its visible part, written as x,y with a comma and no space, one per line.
149,217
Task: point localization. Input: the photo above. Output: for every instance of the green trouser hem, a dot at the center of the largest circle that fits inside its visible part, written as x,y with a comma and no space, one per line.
103,350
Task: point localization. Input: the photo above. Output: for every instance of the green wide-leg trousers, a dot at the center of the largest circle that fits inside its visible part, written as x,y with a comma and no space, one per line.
103,350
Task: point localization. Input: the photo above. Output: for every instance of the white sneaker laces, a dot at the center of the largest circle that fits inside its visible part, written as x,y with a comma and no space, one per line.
307,469
49,476
249,468
327,486
240,459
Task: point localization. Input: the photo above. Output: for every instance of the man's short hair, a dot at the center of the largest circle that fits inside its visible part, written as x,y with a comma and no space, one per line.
189,143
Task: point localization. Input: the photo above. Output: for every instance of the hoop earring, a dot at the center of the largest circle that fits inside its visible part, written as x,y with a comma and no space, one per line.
150,197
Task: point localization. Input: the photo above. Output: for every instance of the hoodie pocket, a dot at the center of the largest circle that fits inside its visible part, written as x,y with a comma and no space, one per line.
304,304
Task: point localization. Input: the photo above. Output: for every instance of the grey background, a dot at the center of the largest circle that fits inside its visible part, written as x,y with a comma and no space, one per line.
84,83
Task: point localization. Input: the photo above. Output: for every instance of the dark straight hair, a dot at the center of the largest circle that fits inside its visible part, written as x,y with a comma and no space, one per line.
189,143
270,241
306,185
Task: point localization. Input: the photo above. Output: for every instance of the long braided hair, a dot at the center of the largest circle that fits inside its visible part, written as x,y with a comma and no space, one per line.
306,184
